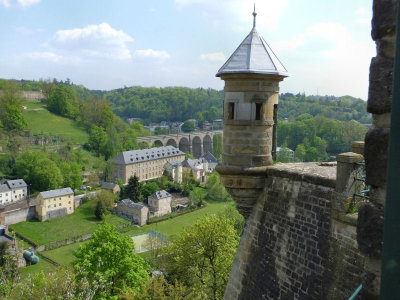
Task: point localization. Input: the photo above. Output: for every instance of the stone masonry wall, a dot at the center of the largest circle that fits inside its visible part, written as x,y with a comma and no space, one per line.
295,245
370,222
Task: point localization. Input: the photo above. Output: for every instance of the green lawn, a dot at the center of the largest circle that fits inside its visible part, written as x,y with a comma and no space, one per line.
64,255
173,227
47,123
34,105
82,221
42,265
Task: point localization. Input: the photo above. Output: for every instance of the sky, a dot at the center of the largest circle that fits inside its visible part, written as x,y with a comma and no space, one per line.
326,46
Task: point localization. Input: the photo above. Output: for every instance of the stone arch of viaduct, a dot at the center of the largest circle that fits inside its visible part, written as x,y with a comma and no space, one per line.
196,143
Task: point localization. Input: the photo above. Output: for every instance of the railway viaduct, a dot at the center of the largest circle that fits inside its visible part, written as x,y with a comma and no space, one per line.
196,143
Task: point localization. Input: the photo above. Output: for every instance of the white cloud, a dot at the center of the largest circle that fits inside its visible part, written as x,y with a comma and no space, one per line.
363,16
330,56
238,12
21,3
26,3
49,56
213,57
152,53
5,3
93,41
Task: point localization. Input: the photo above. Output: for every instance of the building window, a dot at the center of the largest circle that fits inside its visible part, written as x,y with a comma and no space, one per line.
69,202
55,199
59,204
59,198
48,206
231,110
55,205
48,201
70,209
258,111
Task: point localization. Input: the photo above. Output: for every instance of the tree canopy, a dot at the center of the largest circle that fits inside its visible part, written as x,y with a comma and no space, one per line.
108,259
203,254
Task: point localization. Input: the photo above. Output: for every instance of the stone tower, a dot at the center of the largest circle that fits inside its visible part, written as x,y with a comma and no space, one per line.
252,75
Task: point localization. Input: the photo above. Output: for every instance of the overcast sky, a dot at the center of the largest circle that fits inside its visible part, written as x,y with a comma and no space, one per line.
325,45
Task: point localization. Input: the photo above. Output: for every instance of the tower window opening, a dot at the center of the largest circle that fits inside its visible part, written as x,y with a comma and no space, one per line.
258,111
231,110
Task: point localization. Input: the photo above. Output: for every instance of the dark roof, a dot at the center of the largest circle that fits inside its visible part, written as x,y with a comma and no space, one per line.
160,195
191,163
134,156
175,163
7,184
130,203
210,158
57,193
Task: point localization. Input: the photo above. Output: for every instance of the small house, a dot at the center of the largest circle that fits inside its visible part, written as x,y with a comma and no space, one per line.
112,187
136,212
159,203
55,204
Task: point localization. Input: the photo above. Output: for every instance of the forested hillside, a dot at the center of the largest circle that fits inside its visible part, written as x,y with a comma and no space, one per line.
166,104
344,108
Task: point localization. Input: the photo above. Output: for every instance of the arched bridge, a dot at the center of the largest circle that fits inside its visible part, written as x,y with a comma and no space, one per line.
196,143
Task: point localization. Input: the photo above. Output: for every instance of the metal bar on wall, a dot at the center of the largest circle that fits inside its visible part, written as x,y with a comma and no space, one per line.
390,280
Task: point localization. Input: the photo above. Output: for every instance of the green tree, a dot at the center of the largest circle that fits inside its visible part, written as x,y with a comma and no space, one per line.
72,174
133,190
108,258
63,101
188,126
217,146
196,197
237,220
13,119
215,190
203,254
35,167
98,139
149,188
100,211
11,107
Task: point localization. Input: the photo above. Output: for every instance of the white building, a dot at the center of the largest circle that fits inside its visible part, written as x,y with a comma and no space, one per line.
159,203
12,191
174,169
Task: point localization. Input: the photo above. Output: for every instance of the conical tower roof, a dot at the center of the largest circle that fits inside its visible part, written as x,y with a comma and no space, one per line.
255,56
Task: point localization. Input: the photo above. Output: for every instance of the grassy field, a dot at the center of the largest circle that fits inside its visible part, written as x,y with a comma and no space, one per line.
81,222
43,265
172,227
34,105
47,123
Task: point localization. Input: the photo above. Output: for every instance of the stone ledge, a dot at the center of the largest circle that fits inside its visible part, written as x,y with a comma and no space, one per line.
350,219
349,157
313,172
320,173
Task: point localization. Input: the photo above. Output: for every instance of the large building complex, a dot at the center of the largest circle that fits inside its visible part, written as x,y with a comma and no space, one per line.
146,164
12,191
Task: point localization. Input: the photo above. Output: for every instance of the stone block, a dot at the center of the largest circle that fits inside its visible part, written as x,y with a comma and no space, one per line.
381,121
376,155
380,85
386,46
358,147
384,18
370,229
